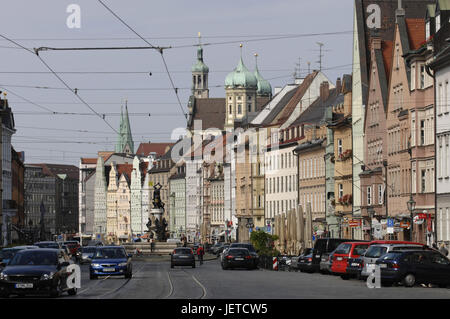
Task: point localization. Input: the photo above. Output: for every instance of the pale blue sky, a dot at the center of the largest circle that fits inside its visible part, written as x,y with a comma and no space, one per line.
164,22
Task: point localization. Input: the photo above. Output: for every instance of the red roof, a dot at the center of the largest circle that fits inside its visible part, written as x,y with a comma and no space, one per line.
416,32
124,169
160,149
85,160
386,48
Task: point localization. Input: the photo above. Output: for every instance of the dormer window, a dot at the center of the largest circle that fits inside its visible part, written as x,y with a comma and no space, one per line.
239,98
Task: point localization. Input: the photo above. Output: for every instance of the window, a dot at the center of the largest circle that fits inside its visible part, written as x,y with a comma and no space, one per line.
340,191
369,195
380,194
239,108
423,180
249,108
422,132
422,76
339,146
438,22
413,77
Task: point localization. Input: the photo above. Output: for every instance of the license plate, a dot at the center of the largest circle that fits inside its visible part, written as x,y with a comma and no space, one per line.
317,256
383,266
183,256
24,285
238,258
339,258
355,264
108,269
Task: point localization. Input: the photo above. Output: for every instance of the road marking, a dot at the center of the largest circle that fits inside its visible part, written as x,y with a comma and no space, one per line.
121,286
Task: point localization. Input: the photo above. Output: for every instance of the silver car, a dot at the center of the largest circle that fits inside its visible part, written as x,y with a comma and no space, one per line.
377,250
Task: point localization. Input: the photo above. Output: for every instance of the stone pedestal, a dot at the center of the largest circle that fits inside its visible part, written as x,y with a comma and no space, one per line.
157,212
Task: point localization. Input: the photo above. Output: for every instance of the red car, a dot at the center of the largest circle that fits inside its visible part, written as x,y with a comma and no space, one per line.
345,251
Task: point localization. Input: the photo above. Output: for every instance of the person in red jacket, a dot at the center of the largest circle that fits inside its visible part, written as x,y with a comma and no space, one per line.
200,253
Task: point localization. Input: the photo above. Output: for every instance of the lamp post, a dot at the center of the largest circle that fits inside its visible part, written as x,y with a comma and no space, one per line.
411,206
371,213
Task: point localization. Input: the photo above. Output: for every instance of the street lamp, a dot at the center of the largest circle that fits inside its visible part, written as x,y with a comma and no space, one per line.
411,206
371,213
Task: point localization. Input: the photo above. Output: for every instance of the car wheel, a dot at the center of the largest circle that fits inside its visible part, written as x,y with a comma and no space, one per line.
345,277
409,280
56,292
72,292
129,275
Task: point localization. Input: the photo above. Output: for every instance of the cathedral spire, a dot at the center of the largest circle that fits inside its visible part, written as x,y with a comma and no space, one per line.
125,142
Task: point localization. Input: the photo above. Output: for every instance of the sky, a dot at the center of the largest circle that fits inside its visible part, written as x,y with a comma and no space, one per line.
104,79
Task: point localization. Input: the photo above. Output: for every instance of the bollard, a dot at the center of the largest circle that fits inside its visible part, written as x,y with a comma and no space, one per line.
275,263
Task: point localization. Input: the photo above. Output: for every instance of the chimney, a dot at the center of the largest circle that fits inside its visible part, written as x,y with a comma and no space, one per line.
400,12
324,90
338,85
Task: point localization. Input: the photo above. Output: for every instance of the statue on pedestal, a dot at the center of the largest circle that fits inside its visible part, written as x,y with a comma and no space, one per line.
158,225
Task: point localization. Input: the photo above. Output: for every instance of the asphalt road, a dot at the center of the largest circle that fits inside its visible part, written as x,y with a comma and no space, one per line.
156,280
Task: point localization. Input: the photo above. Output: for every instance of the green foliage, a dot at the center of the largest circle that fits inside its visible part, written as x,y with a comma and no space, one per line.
264,243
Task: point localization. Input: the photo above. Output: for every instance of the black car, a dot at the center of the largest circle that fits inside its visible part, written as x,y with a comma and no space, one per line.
36,271
182,256
48,244
237,258
411,267
251,249
295,260
325,246
304,263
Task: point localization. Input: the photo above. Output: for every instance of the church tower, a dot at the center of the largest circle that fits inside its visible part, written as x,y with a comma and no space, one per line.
200,75
125,142
240,91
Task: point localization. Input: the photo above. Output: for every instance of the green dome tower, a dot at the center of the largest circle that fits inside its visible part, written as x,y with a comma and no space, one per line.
200,75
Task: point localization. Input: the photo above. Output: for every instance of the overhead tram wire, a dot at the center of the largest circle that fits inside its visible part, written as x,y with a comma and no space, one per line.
27,100
161,51
61,80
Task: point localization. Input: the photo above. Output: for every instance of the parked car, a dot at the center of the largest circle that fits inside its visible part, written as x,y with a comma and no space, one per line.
73,246
86,253
48,244
215,248
237,258
95,243
342,254
411,267
36,271
182,256
251,249
110,261
222,249
325,262
324,246
6,254
295,259
378,249
305,264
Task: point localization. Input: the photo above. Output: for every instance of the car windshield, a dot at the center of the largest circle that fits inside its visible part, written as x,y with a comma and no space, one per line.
87,250
7,253
248,246
48,245
238,252
343,249
183,251
360,249
375,251
36,258
110,253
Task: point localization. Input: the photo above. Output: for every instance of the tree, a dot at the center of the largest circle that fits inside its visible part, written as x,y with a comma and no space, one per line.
264,243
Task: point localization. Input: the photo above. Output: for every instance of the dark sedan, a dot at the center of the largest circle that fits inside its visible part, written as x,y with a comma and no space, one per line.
237,258
305,262
414,267
251,249
354,267
36,271
182,256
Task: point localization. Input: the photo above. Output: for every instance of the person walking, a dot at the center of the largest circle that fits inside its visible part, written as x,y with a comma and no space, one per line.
152,244
443,250
200,253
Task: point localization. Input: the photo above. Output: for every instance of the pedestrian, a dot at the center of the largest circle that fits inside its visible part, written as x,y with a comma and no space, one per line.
200,253
152,244
443,250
